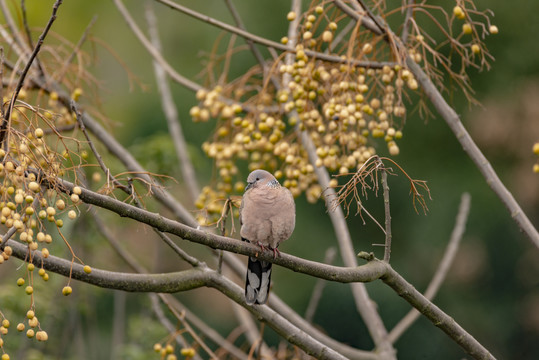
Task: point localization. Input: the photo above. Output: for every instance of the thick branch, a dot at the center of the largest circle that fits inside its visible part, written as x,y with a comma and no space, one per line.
180,281
159,283
435,315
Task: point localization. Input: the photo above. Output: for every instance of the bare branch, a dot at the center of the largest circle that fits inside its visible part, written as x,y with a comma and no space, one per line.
269,43
171,112
470,147
385,187
436,316
442,270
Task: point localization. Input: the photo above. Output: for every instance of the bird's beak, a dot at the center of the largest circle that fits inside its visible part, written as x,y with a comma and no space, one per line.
249,184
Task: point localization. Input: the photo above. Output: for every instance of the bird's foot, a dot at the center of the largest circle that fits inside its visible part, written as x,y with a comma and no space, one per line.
276,252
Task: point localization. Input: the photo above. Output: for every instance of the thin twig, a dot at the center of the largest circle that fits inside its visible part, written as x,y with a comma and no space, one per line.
29,36
17,42
269,43
207,330
237,19
155,298
98,157
41,39
76,49
443,268
153,51
470,147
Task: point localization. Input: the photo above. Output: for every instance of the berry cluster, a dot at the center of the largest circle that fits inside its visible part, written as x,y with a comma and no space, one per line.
33,155
167,351
344,106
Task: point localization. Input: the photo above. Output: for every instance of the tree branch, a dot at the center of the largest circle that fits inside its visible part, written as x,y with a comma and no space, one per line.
473,151
169,109
269,43
41,39
440,319
443,268
179,281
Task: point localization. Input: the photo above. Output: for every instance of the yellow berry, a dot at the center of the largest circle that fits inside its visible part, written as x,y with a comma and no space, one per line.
319,10
75,198
169,349
20,327
5,323
30,333
20,282
458,12
34,186
72,214
45,252
42,336
536,168
493,29
67,290
33,322
29,290
8,250
536,148
291,16
30,314
188,352
59,222
77,190
327,36
31,267
39,133
467,28
41,272
76,94
157,347
87,269
51,211
60,204
284,40
5,357
476,49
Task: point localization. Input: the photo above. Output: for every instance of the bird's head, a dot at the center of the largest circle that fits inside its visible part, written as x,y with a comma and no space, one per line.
259,178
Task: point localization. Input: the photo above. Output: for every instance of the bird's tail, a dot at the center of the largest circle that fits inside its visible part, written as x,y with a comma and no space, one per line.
257,282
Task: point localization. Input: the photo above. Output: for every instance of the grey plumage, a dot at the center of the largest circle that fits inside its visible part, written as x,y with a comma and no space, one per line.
267,218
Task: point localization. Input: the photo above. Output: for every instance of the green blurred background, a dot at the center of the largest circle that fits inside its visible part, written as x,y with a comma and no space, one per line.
492,289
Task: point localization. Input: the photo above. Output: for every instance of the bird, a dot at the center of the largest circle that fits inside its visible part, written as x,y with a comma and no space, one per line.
267,218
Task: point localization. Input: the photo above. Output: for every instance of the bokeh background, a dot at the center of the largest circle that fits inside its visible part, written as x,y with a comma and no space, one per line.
492,289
